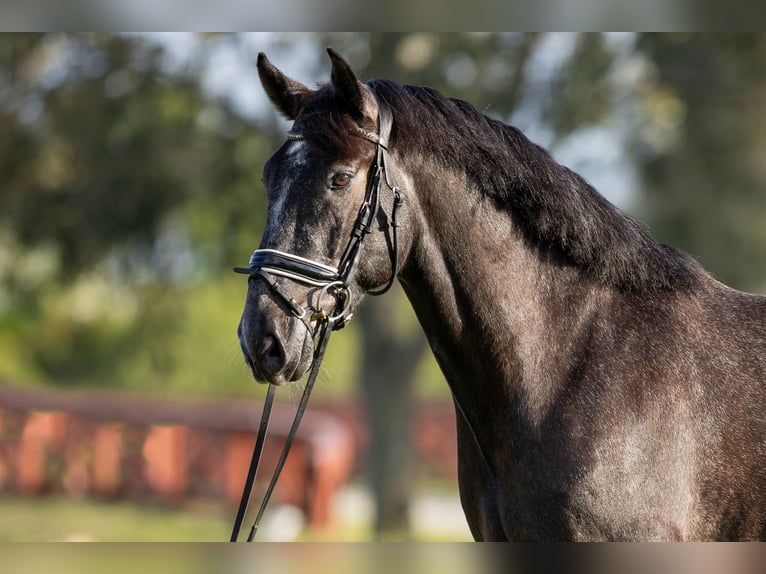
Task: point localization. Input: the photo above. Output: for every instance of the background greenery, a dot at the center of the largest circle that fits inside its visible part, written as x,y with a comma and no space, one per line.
130,185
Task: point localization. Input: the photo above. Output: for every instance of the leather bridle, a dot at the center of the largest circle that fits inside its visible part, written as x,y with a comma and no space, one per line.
272,265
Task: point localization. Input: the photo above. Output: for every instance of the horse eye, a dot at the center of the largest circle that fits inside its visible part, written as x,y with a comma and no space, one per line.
341,180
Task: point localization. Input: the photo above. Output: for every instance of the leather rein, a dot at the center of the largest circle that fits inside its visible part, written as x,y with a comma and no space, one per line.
272,265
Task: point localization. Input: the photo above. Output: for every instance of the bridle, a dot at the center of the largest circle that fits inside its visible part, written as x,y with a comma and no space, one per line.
269,264
272,265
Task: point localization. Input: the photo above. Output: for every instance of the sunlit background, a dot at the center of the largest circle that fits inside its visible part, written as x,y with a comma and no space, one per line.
130,186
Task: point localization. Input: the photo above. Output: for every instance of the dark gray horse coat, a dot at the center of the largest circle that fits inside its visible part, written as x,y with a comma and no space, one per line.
606,387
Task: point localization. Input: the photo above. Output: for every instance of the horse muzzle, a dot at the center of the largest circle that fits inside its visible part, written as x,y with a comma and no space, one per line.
277,347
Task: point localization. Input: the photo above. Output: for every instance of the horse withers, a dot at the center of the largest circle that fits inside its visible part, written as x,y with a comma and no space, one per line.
605,386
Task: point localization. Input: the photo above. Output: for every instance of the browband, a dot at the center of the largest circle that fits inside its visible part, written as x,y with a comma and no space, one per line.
366,134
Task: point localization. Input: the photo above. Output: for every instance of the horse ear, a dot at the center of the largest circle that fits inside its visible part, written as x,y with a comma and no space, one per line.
288,95
360,101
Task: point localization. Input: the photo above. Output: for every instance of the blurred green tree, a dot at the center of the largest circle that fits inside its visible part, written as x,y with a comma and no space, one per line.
701,152
110,166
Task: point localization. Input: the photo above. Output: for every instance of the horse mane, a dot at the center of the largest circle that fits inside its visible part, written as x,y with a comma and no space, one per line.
558,212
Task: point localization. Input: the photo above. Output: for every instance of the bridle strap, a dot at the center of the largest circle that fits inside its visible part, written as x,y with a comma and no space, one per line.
385,119
254,462
369,210
324,336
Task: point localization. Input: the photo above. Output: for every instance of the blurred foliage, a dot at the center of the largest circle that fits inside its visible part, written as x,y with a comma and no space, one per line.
583,92
129,190
124,187
102,146
704,177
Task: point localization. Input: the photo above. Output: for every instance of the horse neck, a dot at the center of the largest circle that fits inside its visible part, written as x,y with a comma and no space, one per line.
501,320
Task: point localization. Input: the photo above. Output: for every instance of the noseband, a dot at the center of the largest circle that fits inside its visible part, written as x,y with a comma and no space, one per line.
271,265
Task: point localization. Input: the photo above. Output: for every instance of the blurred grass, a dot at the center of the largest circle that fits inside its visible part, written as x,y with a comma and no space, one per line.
49,519
60,519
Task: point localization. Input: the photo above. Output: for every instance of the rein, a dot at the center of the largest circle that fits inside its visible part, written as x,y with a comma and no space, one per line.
272,265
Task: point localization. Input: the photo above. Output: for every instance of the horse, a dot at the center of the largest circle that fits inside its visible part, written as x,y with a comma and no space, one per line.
606,387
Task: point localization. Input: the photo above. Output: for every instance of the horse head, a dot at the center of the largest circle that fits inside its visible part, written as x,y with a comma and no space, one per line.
329,194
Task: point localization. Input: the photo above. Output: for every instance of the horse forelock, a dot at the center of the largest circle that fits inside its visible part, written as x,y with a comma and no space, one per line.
328,127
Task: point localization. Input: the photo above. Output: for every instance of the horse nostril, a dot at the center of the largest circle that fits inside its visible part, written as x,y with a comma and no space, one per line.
272,355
